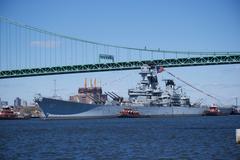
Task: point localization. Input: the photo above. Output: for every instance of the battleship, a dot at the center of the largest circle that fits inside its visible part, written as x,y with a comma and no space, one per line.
148,98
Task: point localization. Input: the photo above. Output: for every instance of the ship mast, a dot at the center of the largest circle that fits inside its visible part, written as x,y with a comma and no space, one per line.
55,89
236,98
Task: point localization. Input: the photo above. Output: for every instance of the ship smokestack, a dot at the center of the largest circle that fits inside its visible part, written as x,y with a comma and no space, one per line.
95,83
85,83
91,83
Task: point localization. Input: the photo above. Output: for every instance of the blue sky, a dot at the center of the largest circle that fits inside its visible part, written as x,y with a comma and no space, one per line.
207,25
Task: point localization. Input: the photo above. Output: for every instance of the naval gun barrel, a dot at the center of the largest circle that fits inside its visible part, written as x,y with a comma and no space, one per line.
120,99
109,95
93,99
115,97
99,100
116,94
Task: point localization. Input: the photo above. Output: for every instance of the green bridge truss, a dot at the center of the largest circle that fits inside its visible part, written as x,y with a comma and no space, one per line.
178,62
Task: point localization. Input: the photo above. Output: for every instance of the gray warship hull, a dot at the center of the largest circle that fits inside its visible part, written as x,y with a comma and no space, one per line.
60,109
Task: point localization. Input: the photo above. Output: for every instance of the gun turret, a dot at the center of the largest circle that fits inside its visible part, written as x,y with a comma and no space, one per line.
120,99
114,97
109,95
95,99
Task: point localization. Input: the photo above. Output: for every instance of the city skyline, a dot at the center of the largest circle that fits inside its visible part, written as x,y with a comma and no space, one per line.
16,102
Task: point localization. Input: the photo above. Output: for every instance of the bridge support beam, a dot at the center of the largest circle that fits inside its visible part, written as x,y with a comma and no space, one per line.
179,62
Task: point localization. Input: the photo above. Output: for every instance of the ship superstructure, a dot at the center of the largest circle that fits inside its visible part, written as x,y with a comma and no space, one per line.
149,93
147,90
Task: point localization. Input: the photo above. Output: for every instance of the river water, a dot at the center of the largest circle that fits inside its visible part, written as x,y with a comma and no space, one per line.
143,138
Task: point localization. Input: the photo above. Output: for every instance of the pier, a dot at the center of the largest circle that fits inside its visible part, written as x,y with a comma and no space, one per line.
238,136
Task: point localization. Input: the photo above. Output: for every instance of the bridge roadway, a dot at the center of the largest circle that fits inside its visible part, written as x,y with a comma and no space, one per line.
178,62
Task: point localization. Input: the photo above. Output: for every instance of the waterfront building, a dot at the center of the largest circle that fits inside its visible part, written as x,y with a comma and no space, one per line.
24,103
4,103
89,94
17,102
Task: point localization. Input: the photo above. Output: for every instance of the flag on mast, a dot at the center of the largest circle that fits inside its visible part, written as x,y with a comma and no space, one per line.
159,69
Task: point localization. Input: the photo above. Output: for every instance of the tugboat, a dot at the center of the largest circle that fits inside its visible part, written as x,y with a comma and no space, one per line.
235,110
8,113
129,113
213,111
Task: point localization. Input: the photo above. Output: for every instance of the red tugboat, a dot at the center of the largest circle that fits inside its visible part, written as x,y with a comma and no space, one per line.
8,113
213,111
129,113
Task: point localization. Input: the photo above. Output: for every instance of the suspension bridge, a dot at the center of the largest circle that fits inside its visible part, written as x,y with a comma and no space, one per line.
29,51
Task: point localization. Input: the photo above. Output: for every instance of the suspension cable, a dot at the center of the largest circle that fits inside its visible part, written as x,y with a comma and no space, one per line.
114,46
